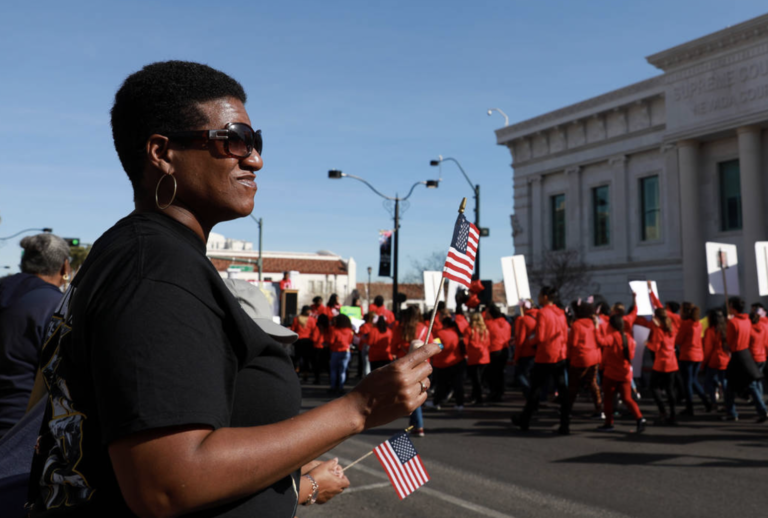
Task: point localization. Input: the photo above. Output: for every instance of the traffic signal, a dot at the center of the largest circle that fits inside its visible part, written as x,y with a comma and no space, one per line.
72,241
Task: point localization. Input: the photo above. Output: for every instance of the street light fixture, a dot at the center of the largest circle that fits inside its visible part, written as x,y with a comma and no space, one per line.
506,119
476,190
336,174
46,230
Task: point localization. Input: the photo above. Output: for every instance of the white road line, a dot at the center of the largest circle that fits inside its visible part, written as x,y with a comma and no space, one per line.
557,506
366,488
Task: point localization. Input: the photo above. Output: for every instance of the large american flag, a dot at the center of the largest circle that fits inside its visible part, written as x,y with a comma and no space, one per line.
460,262
402,464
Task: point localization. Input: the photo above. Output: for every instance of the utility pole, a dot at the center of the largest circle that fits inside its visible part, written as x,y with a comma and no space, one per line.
260,223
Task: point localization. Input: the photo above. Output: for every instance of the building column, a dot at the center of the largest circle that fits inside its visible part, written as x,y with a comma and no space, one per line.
573,213
538,208
753,224
620,221
692,241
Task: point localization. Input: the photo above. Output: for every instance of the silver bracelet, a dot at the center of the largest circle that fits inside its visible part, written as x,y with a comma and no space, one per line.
312,498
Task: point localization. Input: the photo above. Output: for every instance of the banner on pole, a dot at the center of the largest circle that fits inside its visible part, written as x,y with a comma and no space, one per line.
726,255
385,253
761,250
515,279
643,299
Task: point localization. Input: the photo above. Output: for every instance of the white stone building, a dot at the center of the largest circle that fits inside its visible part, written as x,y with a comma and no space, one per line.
638,179
313,274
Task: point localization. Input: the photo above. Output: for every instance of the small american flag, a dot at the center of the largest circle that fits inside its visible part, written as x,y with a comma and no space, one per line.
460,262
402,464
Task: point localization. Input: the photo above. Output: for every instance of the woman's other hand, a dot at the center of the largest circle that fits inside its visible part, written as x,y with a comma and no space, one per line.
331,480
396,390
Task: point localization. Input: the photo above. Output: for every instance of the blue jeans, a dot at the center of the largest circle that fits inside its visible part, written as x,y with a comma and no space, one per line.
757,399
712,378
339,362
690,371
417,419
760,385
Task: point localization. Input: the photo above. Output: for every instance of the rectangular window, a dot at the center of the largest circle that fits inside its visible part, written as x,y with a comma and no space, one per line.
558,222
650,209
601,215
730,195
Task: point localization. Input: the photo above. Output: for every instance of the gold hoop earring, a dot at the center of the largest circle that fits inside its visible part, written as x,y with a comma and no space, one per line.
157,190
65,276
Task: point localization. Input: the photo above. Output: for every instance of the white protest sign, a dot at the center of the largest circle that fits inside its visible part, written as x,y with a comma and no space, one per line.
515,279
432,283
643,298
725,254
761,250
640,334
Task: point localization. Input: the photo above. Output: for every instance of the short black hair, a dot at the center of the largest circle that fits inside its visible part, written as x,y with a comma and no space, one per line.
737,303
378,301
584,310
673,306
161,98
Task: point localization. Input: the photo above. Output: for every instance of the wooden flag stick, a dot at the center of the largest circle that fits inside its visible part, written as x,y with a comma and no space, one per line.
442,281
407,430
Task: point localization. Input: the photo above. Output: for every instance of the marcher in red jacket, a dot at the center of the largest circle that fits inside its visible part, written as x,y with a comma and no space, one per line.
662,344
760,354
449,365
742,371
379,344
618,350
477,339
552,335
716,356
304,326
691,354
378,308
525,346
340,345
321,340
501,335
583,356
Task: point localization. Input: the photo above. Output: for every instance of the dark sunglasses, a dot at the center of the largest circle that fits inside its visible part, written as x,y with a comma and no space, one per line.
239,138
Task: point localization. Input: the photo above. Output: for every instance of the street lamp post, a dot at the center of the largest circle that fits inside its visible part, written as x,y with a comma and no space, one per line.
370,270
506,119
46,230
430,184
476,190
260,223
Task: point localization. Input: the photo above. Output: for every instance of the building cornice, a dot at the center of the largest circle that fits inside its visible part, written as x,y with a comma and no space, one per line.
644,89
706,46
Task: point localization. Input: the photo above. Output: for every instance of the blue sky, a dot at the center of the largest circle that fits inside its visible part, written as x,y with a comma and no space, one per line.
375,89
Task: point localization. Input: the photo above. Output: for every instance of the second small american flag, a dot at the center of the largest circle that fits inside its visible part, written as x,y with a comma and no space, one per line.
402,463
460,262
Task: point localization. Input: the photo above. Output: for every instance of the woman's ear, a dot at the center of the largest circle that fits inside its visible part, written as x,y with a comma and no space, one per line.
157,153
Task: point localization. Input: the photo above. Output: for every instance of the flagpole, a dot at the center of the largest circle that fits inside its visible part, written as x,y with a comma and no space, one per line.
442,281
407,430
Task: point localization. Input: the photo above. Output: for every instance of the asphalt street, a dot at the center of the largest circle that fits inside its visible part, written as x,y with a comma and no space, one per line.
481,466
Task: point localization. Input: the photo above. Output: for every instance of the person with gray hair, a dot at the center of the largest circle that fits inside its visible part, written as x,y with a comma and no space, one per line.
27,301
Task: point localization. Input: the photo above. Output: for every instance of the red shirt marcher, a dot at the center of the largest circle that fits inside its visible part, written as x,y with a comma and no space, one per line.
462,322
451,354
379,345
582,345
501,333
757,342
662,343
315,310
342,340
674,317
382,311
738,331
714,355
477,346
401,346
322,338
617,367
689,340
525,341
629,319
306,330
552,335
286,284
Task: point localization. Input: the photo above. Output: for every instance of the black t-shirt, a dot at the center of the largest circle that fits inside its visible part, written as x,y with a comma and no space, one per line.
148,336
